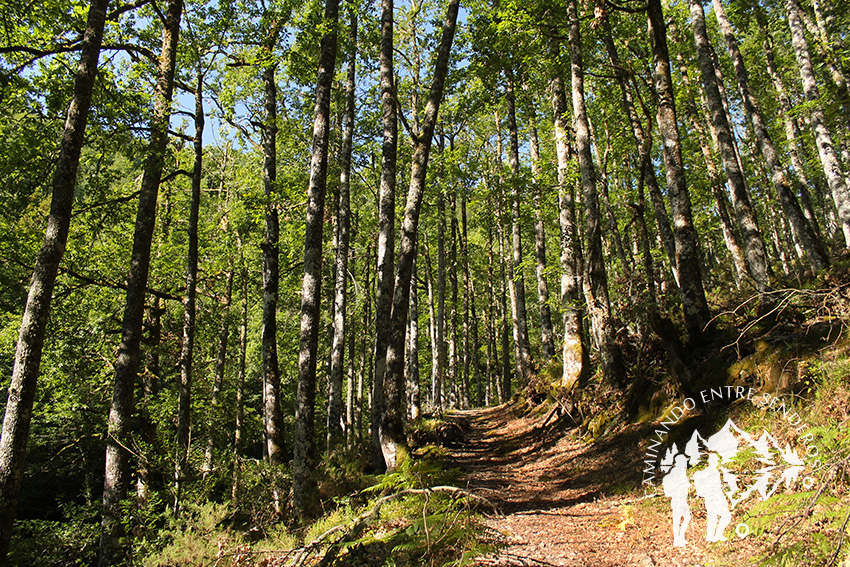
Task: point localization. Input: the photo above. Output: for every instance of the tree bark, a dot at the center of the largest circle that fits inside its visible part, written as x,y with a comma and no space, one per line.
823,138
218,380
547,331
187,352
573,347
757,264
392,424
273,447
116,477
311,289
239,426
470,357
411,371
386,230
643,142
787,200
343,233
694,304
22,389
516,278
790,124
596,277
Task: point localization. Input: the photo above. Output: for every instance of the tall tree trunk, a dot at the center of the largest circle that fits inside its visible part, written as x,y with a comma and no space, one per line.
757,264
573,347
718,189
116,478
694,304
790,124
386,230
547,332
823,138
343,229
273,447
311,289
187,352
411,371
787,200
22,389
218,379
239,426
596,278
504,291
439,392
351,437
643,142
470,357
432,324
392,424
516,279
453,366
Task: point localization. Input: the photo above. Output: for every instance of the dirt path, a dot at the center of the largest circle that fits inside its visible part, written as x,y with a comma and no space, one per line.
561,500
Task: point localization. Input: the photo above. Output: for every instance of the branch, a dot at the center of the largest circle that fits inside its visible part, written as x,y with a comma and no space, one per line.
174,174
113,15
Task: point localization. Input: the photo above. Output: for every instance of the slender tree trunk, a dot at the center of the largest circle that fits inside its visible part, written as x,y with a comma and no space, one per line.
343,229
116,477
351,331
187,352
826,149
718,189
149,388
311,289
239,426
643,142
439,392
790,124
516,281
432,324
573,347
411,371
273,447
596,278
22,389
694,304
757,264
547,331
392,424
470,357
787,200
218,380
454,398
386,230
507,373
492,352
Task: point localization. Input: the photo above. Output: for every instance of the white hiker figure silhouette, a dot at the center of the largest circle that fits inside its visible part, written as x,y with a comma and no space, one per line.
676,487
709,485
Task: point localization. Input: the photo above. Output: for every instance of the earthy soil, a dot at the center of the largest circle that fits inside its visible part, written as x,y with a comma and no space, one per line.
563,500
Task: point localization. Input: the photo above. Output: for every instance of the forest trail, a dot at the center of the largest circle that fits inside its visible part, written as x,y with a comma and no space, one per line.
562,500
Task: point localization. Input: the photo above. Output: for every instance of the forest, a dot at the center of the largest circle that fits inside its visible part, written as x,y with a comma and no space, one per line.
310,282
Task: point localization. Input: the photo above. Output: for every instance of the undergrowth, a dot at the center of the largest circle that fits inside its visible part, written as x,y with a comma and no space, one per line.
412,516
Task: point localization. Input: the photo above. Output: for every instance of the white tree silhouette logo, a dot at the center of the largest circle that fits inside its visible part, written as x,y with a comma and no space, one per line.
729,467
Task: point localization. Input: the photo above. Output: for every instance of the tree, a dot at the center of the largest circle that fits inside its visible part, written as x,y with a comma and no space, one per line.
823,138
22,389
342,230
392,420
757,262
116,478
305,401
694,304
787,200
